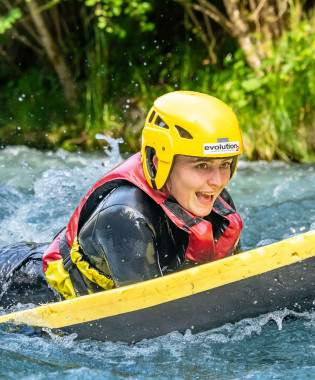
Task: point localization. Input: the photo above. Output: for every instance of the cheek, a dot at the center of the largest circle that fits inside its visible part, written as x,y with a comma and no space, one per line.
181,185
226,178
189,182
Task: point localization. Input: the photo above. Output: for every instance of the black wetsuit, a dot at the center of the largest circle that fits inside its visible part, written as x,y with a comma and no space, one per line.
128,237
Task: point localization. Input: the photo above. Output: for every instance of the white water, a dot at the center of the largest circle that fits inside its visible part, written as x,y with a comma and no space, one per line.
38,193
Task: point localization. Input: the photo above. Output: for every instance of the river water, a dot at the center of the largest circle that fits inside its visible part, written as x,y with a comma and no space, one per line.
38,193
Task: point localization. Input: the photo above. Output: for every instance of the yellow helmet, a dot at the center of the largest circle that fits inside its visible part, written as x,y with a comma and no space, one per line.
191,124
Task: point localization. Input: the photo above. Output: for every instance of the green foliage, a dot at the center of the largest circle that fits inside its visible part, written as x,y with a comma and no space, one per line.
30,106
275,107
113,15
7,21
124,54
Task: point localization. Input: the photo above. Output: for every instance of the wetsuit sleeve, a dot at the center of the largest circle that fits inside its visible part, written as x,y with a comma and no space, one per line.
120,240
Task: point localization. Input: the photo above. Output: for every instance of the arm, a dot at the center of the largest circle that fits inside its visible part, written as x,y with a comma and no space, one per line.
120,240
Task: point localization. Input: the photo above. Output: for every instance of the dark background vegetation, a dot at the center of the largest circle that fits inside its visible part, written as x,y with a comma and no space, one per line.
70,69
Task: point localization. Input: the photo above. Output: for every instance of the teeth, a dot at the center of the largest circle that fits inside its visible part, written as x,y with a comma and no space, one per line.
203,192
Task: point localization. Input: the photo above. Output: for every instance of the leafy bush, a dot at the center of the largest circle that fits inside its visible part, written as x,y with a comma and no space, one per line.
122,60
276,106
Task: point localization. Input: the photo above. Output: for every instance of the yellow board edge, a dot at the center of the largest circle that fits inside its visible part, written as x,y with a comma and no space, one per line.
171,287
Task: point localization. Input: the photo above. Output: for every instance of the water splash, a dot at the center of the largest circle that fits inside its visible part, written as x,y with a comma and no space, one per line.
112,150
40,190
220,353
38,199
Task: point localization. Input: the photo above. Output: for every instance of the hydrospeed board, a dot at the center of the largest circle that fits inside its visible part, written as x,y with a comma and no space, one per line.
269,278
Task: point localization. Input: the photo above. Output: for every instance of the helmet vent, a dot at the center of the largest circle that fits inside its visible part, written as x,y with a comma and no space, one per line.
183,133
160,123
151,117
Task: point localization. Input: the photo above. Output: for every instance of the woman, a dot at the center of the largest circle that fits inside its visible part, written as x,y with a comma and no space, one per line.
161,210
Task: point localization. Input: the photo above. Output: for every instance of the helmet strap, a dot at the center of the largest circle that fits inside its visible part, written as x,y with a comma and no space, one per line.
150,152
233,165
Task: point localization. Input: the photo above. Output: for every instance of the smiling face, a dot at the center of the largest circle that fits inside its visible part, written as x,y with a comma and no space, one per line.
196,182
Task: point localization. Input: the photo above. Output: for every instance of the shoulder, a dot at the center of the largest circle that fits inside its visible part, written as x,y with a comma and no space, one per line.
126,203
130,196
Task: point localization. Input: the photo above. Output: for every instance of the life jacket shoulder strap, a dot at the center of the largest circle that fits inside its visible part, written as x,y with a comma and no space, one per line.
78,283
222,207
181,214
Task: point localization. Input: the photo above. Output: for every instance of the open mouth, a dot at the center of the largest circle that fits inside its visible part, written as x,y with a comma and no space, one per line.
205,197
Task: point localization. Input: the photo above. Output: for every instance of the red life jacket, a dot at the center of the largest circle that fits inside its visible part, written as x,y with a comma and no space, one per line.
201,248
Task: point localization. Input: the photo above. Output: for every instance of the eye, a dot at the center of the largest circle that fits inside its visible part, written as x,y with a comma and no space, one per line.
226,165
202,166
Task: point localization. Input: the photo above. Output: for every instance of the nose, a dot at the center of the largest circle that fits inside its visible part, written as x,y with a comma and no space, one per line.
215,177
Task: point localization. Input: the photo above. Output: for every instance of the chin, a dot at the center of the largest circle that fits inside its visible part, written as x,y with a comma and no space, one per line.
202,213
199,211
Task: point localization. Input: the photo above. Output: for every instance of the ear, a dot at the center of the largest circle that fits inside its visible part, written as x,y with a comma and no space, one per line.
155,161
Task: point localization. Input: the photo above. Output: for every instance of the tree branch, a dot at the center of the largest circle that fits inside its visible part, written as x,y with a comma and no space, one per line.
211,11
54,53
25,41
258,9
211,36
197,24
